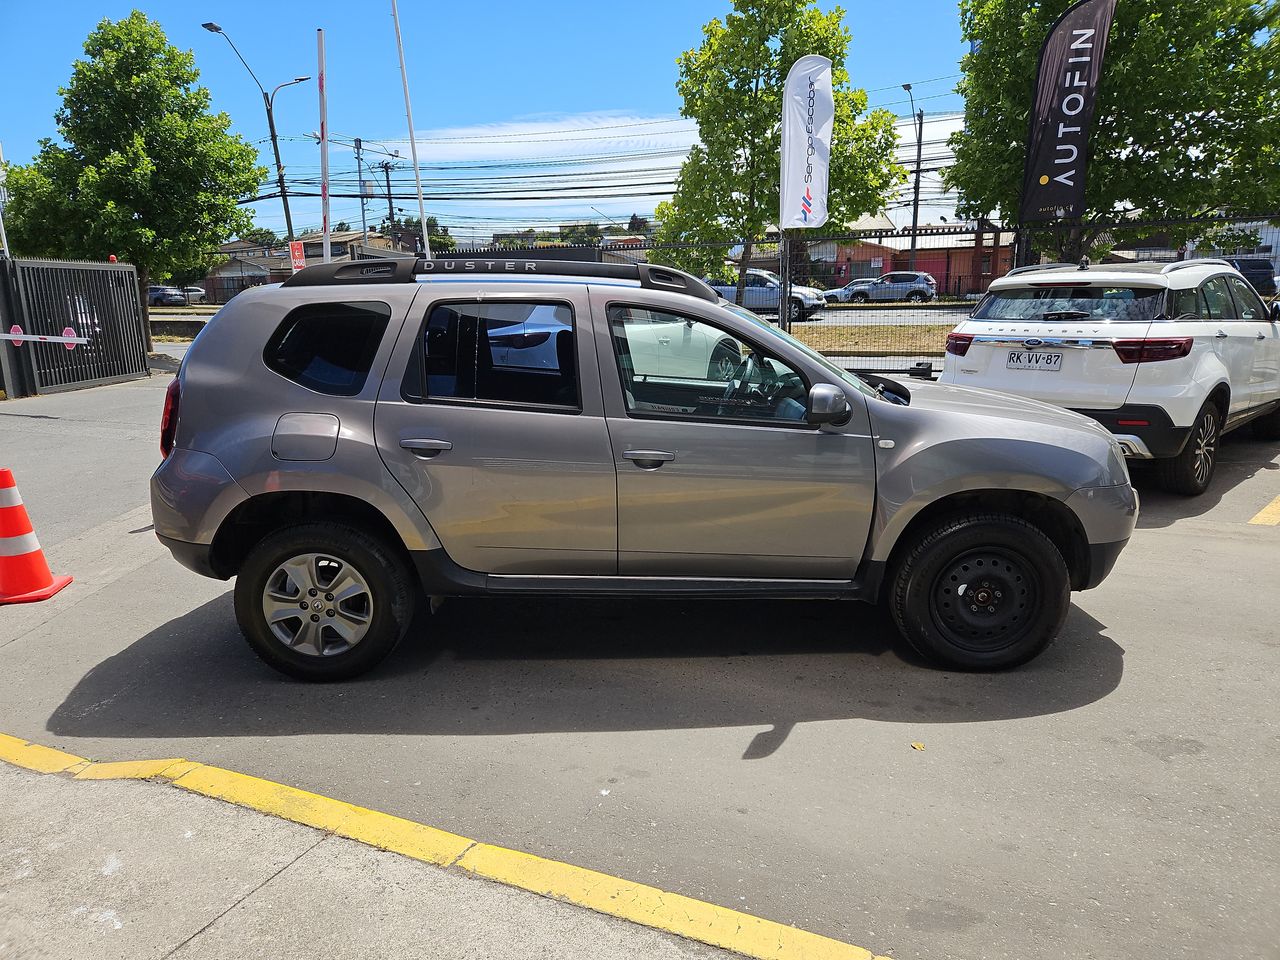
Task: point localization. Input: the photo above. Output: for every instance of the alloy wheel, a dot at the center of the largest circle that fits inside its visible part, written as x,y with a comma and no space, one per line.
317,604
1205,446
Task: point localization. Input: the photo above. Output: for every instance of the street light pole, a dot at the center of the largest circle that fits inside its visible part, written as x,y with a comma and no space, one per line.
268,101
915,201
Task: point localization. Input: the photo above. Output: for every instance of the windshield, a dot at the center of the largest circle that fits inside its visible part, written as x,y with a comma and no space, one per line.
1066,302
771,275
861,385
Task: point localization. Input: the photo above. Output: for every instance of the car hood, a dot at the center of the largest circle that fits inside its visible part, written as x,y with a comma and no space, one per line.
806,291
929,395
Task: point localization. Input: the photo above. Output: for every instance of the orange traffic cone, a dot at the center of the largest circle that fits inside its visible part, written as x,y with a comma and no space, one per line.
24,574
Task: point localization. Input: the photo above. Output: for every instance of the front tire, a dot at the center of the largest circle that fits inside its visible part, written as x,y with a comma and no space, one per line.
981,592
1191,471
858,297
353,596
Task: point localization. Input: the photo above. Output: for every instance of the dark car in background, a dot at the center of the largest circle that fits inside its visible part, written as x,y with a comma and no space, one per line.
1259,271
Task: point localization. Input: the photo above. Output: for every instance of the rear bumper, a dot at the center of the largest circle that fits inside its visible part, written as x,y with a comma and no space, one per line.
193,556
1144,431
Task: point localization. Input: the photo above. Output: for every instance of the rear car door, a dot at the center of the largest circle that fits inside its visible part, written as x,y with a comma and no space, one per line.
1233,341
490,416
723,478
1264,381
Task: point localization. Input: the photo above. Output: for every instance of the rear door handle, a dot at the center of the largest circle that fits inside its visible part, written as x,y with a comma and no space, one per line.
648,459
1261,336
1220,335
425,449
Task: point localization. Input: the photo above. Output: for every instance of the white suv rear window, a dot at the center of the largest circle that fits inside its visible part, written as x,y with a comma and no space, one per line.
1059,303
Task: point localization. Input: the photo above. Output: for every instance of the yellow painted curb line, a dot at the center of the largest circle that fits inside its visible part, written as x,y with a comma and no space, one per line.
1268,516
641,904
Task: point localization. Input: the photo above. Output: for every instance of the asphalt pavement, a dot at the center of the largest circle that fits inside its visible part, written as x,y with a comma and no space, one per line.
1112,799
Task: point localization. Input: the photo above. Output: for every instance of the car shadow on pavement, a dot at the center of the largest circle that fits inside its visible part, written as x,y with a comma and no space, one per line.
519,666
1240,458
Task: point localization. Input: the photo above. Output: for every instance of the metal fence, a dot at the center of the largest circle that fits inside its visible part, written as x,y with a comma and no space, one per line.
96,301
900,324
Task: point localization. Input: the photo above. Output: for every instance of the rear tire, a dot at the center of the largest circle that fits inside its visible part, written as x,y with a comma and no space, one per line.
1267,427
334,638
1191,471
981,592
915,296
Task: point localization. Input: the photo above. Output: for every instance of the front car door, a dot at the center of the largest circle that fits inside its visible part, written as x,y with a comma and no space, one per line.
490,416
723,478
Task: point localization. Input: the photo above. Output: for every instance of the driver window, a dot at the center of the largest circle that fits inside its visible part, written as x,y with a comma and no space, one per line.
1248,305
678,367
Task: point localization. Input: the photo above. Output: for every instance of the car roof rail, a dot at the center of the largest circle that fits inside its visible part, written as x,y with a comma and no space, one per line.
650,275
1198,262
1042,266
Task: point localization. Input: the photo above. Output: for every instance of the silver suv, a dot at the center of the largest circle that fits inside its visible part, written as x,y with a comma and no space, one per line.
369,434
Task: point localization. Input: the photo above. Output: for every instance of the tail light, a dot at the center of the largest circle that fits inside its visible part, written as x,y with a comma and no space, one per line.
958,343
1151,351
169,419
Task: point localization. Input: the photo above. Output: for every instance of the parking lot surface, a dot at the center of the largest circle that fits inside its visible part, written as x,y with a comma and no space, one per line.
1114,798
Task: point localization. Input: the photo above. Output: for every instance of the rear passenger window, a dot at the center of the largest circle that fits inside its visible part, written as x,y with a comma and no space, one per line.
517,353
328,347
1218,298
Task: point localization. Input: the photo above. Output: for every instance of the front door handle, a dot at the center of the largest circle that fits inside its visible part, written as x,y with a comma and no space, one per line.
1220,335
648,459
425,449
1261,336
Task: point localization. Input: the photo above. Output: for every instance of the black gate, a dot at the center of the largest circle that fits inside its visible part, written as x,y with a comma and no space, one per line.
96,301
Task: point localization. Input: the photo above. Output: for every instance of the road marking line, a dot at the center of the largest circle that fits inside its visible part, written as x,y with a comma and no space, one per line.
334,816
125,770
641,904
1268,516
32,756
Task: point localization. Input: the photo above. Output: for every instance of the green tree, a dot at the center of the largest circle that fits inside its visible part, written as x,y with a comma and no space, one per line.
341,226
262,236
441,240
1186,121
580,233
143,169
732,85
638,224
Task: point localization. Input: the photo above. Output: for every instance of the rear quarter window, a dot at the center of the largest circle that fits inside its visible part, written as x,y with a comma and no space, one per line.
328,347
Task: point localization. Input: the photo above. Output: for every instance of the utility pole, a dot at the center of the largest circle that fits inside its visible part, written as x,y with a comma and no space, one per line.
385,167
364,229
268,101
915,202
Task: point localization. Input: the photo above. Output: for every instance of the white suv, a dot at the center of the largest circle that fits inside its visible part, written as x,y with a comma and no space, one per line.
1168,357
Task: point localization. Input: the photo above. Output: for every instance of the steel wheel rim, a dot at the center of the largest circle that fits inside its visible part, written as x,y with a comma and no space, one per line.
1206,444
317,604
984,600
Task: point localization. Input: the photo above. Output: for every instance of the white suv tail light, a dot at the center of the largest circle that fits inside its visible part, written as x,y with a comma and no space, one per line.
1153,350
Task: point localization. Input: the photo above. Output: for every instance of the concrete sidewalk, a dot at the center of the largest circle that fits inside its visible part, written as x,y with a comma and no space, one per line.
133,869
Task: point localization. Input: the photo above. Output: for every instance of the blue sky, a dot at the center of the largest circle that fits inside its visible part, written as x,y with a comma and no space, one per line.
529,86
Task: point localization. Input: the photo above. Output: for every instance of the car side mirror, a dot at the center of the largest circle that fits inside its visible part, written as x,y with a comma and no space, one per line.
828,404
1275,311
